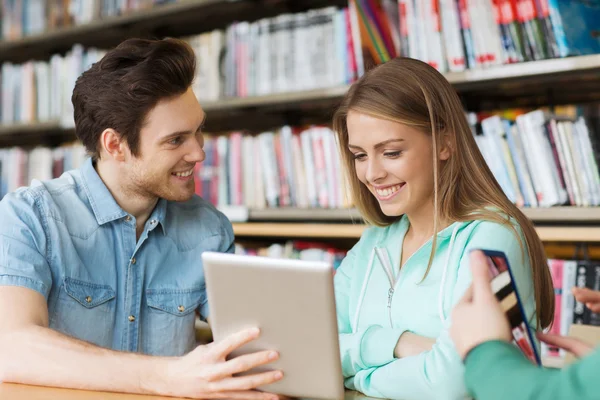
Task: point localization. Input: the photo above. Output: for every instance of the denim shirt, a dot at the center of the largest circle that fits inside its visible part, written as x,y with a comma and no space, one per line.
69,240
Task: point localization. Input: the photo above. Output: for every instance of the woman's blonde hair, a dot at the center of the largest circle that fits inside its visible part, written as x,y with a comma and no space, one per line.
413,93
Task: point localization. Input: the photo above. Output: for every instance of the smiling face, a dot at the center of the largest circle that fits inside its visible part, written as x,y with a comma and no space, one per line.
171,144
394,161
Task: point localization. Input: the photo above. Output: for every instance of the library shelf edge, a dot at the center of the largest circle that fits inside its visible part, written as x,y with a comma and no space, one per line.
564,214
353,231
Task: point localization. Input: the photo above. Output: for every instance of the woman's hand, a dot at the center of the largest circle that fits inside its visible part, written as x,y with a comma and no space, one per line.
411,344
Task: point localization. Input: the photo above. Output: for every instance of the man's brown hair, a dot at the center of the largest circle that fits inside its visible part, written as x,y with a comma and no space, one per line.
119,90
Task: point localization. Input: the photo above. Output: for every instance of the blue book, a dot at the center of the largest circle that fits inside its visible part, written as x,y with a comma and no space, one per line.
576,26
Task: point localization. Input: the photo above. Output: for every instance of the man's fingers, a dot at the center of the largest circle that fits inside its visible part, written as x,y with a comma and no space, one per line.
248,382
481,275
234,341
572,345
585,295
244,363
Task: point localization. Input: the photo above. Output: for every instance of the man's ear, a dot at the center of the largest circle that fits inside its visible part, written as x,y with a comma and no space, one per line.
446,147
113,145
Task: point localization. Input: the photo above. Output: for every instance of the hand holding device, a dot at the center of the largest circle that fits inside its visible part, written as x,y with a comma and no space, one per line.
478,317
207,371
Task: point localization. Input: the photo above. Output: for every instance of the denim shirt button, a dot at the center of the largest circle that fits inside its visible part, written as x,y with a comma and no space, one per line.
128,218
88,299
131,318
181,308
133,260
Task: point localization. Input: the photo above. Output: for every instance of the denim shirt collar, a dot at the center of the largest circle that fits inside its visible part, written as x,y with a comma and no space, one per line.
104,205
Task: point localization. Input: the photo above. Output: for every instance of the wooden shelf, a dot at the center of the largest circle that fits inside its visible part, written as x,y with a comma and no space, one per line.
333,93
526,70
353,231
554,215
298,230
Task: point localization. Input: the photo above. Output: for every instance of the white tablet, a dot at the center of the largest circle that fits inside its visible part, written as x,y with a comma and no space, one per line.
293,304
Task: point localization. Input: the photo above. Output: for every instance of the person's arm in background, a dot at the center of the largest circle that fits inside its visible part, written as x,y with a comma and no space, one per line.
32,353
438,374
496,369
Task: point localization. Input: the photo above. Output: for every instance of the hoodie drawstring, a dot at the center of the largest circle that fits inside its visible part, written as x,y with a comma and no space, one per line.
443,282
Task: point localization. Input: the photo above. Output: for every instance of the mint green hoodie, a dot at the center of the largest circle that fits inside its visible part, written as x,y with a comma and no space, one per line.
376,304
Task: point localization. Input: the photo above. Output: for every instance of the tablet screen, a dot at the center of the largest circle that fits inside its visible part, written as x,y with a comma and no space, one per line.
505,290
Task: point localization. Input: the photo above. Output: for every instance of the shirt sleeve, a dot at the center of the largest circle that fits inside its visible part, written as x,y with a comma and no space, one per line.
23,244
372,347
498,370
439,373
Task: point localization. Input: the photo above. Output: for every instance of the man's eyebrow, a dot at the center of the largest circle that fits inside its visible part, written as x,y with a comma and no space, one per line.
179,133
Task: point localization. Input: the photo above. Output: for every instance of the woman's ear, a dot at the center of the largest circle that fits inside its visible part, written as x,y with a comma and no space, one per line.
446,147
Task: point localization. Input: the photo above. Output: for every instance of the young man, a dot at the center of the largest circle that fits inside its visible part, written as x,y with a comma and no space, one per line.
103,263
495,369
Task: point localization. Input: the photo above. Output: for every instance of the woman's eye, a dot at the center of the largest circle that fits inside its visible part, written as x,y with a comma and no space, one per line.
393,154
360,156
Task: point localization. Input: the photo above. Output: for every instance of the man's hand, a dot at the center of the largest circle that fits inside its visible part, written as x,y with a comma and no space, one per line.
591,298
478,318
578,347
206,372
411,344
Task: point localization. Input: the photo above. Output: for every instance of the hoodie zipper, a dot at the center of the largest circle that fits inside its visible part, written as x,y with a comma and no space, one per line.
384,259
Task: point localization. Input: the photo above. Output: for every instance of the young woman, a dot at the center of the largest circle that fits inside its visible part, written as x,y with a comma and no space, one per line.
481,333
417,176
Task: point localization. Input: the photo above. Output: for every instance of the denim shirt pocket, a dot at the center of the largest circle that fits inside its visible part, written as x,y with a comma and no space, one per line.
170,321
86,311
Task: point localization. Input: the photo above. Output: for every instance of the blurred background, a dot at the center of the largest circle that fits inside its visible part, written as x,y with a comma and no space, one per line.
270,74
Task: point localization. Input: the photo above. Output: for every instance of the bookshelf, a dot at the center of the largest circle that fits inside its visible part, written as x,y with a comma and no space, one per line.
263,112
174,19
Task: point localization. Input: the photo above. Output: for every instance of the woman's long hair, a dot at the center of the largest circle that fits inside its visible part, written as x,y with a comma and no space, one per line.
413,93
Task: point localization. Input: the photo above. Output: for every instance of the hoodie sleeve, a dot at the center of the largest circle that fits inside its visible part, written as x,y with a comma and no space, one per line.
372,347
439,373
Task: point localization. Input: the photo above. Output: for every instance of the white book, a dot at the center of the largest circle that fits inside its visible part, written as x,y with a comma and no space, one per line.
285,140
248,181
492,128
582,164
570,166
589,155
567,299
455,54
299,173
561,159
309,167
541,165
331,181
269,166
529,192
300,54
222,150
260,199
264,79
